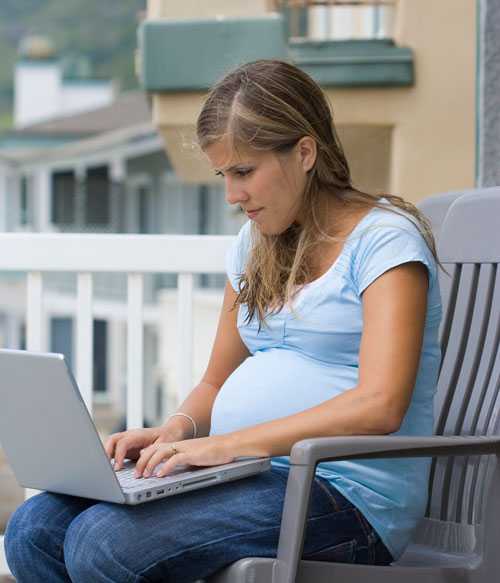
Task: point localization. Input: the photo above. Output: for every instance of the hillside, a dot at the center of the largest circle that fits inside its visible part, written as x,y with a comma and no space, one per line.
104,32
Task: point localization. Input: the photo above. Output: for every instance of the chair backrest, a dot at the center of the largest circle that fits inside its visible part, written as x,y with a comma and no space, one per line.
467,399
436,207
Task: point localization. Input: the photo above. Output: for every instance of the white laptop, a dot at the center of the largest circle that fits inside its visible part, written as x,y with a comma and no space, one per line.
51,442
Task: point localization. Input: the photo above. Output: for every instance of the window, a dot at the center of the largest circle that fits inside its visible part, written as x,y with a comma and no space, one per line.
61,338
100,355
63,198
76,206
144,222
98,203
24,202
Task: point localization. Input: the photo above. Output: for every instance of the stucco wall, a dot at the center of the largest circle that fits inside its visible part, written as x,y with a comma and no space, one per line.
433,138
432,125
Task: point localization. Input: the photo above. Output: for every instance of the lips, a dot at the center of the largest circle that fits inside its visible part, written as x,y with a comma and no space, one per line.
253,215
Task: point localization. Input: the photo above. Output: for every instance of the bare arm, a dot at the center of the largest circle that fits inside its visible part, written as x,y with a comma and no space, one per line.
394,309
228,352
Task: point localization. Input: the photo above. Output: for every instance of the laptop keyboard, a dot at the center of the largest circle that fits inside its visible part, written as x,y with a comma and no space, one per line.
129,482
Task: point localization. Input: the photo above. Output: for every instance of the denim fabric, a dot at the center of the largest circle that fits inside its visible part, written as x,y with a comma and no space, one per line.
56,538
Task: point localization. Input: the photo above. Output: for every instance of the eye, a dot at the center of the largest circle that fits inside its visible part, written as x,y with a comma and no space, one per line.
242,173
238,173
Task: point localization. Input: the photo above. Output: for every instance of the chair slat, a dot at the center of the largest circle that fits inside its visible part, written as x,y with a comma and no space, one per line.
467,397
462,400
461,386
447,385
488,305
478,398
448,287
453,357
490,350
488,423
449,290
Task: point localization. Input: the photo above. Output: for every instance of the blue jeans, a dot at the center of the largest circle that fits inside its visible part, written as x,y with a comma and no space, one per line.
57,538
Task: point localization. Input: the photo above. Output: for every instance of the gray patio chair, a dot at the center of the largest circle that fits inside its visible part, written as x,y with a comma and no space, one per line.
459,539
435,207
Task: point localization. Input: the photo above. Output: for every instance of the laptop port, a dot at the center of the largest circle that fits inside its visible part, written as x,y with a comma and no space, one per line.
148,494
160,491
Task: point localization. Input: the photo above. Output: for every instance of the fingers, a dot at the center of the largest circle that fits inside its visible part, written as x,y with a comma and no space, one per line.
175,460
110,444
151,457
121,449
127,444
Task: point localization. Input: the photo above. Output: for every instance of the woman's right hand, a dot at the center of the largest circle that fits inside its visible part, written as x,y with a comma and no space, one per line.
128,444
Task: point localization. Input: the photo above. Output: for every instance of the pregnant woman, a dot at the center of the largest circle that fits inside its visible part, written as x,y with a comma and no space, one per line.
329,326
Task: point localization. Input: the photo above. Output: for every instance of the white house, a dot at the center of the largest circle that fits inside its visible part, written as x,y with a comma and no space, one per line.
44,88
105,171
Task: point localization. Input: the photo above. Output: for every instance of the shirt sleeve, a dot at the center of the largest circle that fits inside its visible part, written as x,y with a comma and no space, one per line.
385,246
236,255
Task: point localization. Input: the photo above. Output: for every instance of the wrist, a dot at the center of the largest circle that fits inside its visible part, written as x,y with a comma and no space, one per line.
242,443
178,427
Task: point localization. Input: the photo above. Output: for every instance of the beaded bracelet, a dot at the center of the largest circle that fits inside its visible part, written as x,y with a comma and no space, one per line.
195,429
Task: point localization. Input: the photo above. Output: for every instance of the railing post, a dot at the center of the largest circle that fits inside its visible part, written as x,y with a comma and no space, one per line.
185,331
34,325
84,338
135,347
34,312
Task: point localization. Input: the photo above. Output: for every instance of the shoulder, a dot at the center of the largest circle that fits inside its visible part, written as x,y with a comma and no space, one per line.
383,226
385,239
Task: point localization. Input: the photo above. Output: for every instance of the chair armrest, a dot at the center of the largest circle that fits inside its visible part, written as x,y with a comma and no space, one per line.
312,451
307,453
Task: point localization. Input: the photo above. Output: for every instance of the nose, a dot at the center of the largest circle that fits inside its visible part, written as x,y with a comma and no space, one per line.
234,192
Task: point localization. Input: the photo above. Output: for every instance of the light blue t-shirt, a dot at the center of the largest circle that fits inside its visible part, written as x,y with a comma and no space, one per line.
298,363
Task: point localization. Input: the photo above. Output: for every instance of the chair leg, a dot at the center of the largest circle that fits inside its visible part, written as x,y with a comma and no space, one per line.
291,542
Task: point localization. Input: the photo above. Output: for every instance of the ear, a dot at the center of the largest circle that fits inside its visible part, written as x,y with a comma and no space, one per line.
307,151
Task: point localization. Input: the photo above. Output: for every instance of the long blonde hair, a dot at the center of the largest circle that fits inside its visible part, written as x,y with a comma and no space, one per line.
270,105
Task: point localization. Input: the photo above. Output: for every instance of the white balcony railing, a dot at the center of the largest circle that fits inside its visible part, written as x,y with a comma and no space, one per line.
133,255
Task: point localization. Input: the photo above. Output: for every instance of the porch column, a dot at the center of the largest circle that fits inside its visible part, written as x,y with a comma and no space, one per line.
3,198
116,364
42,198
168,373
14,202
488,93
117,176
13,325
80,198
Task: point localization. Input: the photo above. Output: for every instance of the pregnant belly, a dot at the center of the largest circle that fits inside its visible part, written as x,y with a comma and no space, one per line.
276,383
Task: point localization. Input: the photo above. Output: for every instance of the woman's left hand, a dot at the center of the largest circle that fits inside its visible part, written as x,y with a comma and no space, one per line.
204,451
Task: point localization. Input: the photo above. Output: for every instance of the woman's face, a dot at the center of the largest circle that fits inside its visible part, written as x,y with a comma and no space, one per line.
265,180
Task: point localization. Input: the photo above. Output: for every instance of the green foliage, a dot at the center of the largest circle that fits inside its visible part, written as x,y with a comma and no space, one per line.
103,31
5,121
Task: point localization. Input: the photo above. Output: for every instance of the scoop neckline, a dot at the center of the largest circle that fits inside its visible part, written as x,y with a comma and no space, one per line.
332,267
